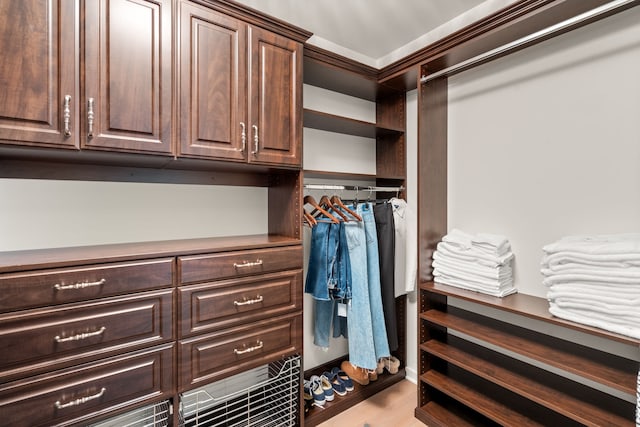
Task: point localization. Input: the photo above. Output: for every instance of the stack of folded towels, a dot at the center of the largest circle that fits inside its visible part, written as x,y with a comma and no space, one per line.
595,280
480,263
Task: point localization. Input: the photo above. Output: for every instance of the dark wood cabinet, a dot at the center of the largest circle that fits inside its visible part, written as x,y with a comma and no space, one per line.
240,90
38,73
127,75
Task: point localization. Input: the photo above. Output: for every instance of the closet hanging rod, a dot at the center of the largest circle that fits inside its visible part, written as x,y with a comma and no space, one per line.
522,42
352,187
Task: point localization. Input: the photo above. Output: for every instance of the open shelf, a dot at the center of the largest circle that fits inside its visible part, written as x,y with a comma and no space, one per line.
340,124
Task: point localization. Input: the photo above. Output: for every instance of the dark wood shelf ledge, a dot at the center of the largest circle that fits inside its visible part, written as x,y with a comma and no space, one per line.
435,415
340,124
612,371
525,305
495,369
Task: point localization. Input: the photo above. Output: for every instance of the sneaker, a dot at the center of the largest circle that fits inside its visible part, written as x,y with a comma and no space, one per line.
315,389
373,375
325,385
342,376
357,374
337,384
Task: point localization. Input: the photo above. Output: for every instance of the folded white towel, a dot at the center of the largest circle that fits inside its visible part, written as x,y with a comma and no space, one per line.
446,264
602,244
592,320
574,278
596,273
626,314
559,260
470,286
601,292
491,243
473,255
484,281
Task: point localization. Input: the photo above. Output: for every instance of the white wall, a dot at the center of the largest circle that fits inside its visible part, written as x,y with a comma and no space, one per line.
546,142
47,213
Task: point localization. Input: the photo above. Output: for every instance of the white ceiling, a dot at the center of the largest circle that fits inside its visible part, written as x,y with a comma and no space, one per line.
377,32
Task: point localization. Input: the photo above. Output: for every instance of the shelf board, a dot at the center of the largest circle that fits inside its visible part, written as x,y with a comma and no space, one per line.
550,397
436,415
360,393
618,373
480,402
339,124
524,305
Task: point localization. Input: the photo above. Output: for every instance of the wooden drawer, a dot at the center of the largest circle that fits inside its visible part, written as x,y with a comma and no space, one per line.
218,305
77,394
35,339
48,287
217,355
225,265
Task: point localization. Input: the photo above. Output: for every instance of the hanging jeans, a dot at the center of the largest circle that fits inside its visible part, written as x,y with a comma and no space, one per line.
365,320
328,278
383,214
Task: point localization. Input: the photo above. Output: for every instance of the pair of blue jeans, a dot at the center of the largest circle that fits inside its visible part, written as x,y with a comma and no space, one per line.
328,279
365,318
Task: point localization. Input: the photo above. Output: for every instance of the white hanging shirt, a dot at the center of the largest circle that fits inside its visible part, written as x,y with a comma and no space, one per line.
406,247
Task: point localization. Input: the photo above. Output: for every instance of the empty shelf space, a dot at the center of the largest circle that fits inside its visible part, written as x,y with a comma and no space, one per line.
436,415
339,124
609,370
479,402
551,396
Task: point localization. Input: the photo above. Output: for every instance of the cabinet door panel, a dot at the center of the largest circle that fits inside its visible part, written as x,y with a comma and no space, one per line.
212,83
128,75
275,99
37,71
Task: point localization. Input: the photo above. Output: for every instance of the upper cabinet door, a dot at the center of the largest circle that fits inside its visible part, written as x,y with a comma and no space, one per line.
275,99
127,72
212,62
38,72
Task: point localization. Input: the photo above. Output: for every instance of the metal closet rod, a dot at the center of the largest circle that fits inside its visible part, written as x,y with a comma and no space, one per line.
545,32
351,187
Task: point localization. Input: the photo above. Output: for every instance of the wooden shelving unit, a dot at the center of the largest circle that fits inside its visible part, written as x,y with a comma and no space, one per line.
339,124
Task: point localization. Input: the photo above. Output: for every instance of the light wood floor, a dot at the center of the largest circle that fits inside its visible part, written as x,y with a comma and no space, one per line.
392,407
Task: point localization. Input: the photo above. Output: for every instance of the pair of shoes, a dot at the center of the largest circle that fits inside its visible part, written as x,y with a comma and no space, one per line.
357,374
373,374
314,389
342,376
391,363
336,382
325,386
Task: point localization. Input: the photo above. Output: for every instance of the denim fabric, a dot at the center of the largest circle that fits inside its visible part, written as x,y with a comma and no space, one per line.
328,278
380,339
361,345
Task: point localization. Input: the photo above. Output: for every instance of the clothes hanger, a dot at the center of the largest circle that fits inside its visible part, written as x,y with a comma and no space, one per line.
325,201
335,199
308,199
309,218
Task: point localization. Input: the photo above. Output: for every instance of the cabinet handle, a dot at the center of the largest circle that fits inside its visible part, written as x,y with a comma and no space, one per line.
256,300
258,346
243,136
248,263
67,115
81,336
79,285
90,117
81,400
256,140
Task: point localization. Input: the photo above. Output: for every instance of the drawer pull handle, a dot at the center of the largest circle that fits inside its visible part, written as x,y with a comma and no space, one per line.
256,300
81,400
258,346
79,285
67,116
81,336
248,263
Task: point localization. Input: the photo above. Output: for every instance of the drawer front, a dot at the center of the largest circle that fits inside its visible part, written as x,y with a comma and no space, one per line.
214,356
73,395
66,332
49,287
218,305
226,265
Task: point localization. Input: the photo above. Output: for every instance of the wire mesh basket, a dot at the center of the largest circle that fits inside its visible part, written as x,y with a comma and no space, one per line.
267,396
157,415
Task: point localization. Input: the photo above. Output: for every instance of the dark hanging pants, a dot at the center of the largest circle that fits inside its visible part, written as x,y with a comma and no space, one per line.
386,252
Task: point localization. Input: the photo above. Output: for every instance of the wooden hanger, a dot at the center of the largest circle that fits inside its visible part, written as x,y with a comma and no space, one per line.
309,218
335,199
311,201
325,201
